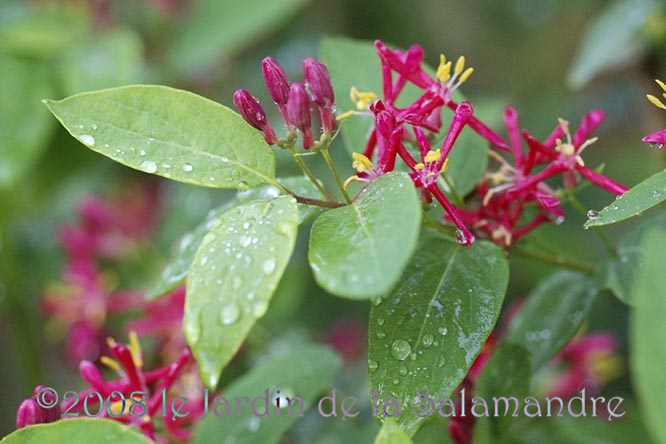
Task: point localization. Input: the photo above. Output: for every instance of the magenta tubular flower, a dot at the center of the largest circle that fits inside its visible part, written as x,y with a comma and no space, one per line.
318,82
250,109
657,140
31,411
298,113
277,84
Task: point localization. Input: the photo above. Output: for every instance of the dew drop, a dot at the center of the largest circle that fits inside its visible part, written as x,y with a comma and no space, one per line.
242,186
396,381
244,241
464,239
443,331
372,365
403,371
591,214
224,159
427,340
253,423
142,153
656,194
412,356
441,362
380,321
88,140
268,267
148,166
187,167
377,300
259,308
400,349
203,260
230,314
380,335
246,225
93,126
237,282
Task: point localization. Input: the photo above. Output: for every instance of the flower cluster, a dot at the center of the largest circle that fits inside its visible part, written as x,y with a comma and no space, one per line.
657,139
294,101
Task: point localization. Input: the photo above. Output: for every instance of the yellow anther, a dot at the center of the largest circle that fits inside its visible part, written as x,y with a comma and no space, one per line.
565,148
433,156
606,366
445,165
117,407
361,99
565,127
460,65
135,349
348,181
361,163
468,72
419,166
111,342
656,102
661,84
344,116
443,70
430,174
111,363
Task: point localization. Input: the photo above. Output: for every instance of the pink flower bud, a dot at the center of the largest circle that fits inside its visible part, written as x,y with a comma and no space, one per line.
318,82
250,109
298,113
276,81
28,414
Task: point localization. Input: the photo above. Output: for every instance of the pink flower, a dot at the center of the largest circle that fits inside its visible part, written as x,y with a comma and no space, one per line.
657,139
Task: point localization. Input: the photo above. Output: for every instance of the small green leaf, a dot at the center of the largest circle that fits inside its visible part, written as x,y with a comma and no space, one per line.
645,195
175,271
216,30
234,274
359,251
507,374
391,433
304,372
611,40
98,431
111,59
552,313
428,331
169,132
648,333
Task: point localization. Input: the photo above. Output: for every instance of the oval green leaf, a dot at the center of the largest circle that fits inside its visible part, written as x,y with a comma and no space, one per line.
234,274
645,195
169,132
648,334
553,312
100,431
359,251
428,331
391,433
303,373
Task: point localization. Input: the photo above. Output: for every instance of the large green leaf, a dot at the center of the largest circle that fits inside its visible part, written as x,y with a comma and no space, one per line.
111,59
611,40
391,433
234,274
215,29
304,372
175,271
552,314
358,251
645,195
169,132
24,124
648,334
98,431
429,330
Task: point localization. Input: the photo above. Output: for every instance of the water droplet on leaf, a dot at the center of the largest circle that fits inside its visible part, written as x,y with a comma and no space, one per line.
230,314
87,140
187,167
400,349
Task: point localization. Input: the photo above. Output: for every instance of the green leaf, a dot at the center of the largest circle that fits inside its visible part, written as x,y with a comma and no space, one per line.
175,271
429,330
611,40
234,274
99,431
216,30
169,132
645,195
648,334
468,163
358,251
507,374
304,372
391,433
552,313
112,59
24,125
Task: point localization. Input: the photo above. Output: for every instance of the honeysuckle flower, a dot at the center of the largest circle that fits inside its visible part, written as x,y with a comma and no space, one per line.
250,109
277,84
657,139
298,113
318,82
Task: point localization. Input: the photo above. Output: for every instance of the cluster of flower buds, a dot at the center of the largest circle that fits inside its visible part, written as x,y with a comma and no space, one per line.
295,102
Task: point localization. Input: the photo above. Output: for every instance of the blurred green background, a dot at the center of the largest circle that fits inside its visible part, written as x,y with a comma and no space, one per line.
523,52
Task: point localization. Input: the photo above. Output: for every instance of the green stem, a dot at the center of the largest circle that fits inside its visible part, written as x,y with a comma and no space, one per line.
338,180
556,260
300,199
306,170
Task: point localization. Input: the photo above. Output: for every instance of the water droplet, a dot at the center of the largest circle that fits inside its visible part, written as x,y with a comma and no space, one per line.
591,214
87,139
377,300
230,313
237,282
442,361
148,166
142,153
242,186
396,381
412,356
253,423
372,365
559,220
244,241
187,167
224,159
259,308
656,194
93,126
380,321
268,267
427,340
400,349
403,371
442,331
380,335
464,239
246,225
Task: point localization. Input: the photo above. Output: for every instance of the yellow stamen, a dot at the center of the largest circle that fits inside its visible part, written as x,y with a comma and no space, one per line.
111,342
468,72
348,181
361,99
443,70
117,408
460,65
135,349
430,174
419,166
344,116
445,165
661,84
656,102
606,366
111,363
565,148
433,156
361,163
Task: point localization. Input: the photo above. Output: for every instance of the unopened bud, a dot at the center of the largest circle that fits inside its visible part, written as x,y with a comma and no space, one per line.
276,81
298,113
250,109
319,83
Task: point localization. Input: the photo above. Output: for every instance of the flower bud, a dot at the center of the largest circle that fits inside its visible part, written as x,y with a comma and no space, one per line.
250,109
28,413
276,81
319,83
298,113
